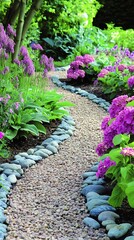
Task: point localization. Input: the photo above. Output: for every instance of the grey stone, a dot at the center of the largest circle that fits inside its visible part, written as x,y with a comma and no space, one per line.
2,217
109,226
97,210
34,158
10,166
108,215
48,152
41,154
129,238
96,202
119,230
107,222
3,204
92,195
55,144
94,168
91,96
47,141
23,154
3,227
12,178
90,222
3,194
25,163
31,151
2,235
52,148
93,188
88,174
100,181
61,137
70,132
10,171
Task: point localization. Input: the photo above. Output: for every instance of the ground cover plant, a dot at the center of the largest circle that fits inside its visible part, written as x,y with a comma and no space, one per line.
24,104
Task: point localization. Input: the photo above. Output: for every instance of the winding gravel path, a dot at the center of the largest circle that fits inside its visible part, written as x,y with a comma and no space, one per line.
46,203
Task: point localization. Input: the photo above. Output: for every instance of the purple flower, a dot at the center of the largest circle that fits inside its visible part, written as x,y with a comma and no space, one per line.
117,105
79,58
5,70
131,68
103,73
101,149
17,61
122,67
131,82
76,64
10,31
36,46
75,73
47,63
128,151
23,51
104,123
111,68
1,135
16,104
88,59
28,65
103,166
11,110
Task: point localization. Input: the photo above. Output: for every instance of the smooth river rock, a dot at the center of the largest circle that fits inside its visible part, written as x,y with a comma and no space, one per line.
90,222
119,230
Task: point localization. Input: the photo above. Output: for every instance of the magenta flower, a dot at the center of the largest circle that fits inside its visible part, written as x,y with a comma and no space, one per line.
76,64
28,65
103,73
17,61
23,51
104,123
122,67
128,151
103,166
131,82
131,68
117,105
88,59
1,135
101,149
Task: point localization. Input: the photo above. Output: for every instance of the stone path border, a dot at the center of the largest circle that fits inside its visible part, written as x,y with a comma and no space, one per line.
11,172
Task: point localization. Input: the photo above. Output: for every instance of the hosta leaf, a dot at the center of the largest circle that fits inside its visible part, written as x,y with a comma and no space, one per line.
40,127
31,128
11,133
65,104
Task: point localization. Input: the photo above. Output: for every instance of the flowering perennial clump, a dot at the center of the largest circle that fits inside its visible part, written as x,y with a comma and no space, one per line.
119,121
77,67
131,82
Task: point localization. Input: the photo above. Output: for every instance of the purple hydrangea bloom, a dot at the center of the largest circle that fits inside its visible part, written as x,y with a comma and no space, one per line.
128,151
79,58
117,105
76,64
111,68
103,73
131,82
103,166
101,149
74,74
131,68
104,123
88,59
122,67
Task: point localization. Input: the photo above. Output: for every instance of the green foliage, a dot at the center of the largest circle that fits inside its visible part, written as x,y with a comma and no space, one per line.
121,174
123,38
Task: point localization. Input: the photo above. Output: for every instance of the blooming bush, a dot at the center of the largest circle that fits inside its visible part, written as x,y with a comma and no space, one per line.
117,149
78,67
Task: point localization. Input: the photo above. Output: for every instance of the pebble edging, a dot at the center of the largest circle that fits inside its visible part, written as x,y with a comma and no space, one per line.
100,211
11,172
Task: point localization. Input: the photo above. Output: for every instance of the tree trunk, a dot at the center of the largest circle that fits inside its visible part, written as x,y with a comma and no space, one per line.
19,28
35,7
12,13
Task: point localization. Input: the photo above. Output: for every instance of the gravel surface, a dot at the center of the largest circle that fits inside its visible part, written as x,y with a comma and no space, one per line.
46,203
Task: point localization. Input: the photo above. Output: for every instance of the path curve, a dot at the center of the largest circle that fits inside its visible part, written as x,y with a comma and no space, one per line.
46,203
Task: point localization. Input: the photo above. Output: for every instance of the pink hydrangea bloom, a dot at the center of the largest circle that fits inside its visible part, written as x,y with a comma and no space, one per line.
128,151
131,68
103,73
131,82
1,135
121,67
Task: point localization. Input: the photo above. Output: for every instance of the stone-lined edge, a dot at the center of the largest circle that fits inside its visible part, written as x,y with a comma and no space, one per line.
11,172
100,211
